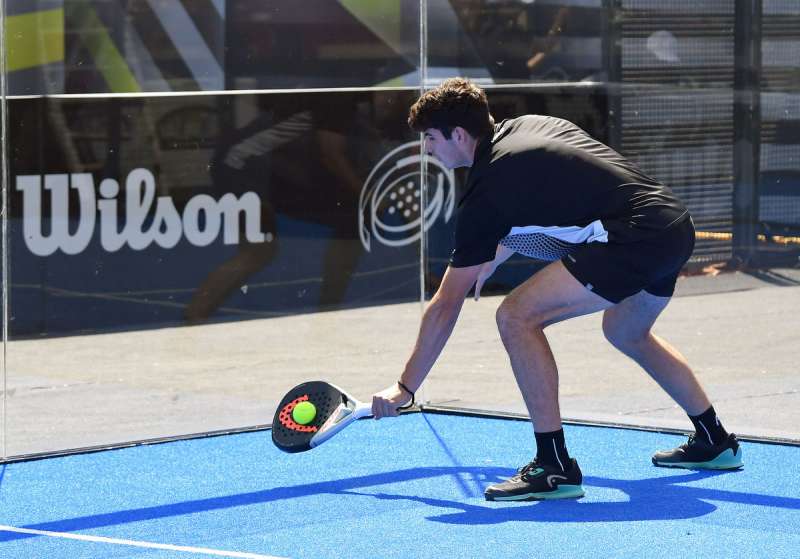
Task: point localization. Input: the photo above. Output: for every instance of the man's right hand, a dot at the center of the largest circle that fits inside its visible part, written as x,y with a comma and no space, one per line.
387,402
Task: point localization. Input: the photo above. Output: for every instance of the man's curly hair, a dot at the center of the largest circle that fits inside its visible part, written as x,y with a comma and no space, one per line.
456,102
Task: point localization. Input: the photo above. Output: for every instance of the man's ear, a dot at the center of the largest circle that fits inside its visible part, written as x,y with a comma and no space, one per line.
460,134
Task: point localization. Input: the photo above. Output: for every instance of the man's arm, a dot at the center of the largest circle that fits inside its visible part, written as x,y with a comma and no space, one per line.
438,321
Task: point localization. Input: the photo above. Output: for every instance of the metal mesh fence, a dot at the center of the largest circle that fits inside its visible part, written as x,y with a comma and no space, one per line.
677,98
779,202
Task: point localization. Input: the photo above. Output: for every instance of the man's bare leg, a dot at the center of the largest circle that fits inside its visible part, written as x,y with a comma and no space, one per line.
628,325
550,296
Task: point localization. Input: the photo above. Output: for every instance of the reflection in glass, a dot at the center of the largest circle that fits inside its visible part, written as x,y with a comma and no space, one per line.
108,46
215,192
318,43
133,217
516,41
307,156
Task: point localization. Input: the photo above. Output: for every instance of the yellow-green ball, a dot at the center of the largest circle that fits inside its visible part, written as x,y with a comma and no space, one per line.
304,413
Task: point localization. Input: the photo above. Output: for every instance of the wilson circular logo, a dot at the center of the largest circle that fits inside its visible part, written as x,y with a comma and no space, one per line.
393,208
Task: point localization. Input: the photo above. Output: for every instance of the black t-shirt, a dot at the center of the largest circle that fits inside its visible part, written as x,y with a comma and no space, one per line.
540,174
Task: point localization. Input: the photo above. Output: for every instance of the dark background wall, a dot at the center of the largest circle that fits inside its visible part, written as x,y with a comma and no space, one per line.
296,111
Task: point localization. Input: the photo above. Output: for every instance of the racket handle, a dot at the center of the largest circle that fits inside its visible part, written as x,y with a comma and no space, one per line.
363,409
342,417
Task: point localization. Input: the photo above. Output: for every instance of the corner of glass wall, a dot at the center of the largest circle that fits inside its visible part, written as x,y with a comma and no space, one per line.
709,110
3,224
208,203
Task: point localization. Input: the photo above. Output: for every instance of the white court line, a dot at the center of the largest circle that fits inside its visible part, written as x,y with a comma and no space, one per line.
134,543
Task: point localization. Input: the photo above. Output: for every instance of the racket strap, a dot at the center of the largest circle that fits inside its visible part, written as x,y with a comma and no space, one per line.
404,387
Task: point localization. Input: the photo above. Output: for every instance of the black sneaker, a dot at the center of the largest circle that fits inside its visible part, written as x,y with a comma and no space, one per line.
536,482
698,454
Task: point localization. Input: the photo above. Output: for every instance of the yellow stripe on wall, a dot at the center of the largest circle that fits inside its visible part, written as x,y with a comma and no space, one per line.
34,39
382,18
107,58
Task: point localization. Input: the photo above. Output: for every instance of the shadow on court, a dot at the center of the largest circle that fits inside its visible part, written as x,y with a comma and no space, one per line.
660,498
648,499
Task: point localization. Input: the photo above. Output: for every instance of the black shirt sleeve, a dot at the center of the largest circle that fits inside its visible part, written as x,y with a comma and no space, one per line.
479,228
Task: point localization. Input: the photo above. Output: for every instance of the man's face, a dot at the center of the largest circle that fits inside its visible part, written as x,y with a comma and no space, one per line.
449,152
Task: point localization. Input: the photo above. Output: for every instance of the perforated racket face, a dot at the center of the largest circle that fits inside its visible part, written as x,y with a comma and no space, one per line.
290,436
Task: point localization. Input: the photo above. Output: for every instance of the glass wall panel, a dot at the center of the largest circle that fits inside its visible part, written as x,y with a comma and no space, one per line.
702,97
173,256
211,201
3,222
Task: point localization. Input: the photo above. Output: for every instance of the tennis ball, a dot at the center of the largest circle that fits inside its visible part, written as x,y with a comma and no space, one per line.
304,413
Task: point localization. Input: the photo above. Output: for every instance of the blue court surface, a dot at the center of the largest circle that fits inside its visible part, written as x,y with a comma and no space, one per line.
405,487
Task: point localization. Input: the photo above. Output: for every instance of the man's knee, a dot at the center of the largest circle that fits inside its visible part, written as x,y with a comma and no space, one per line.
623,336
511,321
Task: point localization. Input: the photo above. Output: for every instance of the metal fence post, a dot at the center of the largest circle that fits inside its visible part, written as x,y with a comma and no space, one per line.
747,129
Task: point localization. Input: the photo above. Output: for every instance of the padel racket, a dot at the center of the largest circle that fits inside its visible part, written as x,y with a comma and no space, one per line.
332,409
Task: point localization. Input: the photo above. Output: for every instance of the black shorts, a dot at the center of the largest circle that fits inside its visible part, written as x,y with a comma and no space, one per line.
616,271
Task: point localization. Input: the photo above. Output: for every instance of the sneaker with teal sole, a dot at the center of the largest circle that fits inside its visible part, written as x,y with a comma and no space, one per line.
539,482
696,454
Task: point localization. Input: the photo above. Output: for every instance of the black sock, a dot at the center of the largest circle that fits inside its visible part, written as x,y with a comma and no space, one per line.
708,428
552,450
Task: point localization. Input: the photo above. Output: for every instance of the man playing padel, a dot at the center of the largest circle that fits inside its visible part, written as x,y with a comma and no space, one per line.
617,239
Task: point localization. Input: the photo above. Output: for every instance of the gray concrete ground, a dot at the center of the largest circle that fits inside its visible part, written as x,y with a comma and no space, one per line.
740,332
